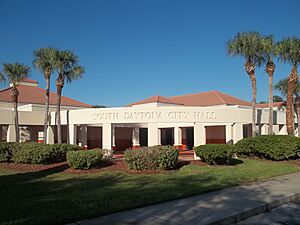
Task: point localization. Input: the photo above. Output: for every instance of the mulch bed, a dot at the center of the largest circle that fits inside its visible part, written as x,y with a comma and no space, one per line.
117,165
294,162
32,167
106,166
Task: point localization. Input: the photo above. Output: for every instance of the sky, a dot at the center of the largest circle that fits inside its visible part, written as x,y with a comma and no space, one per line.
134,49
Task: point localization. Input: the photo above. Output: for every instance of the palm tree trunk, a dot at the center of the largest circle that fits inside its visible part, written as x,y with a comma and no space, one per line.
46,120
59,86
297,105
253,81
270,129
15,94
292,81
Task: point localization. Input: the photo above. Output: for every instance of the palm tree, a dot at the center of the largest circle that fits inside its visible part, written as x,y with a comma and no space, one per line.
289,51
248,45
44,62
282,87
66,65
269,53
14,73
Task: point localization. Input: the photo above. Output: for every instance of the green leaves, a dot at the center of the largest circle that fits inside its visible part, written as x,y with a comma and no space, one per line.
44,59
64,62
247,45
14,72
289,51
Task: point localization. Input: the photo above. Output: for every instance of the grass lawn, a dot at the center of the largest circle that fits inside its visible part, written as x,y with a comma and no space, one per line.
53,197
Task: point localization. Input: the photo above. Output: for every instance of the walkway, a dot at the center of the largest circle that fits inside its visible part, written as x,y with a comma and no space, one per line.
226,206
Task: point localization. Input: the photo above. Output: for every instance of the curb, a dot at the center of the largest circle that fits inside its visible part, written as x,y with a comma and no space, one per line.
266,207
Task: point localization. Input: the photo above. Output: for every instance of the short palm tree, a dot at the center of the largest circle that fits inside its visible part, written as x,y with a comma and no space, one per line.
269,52
248,45
14,73
66,65
289,51
44,62
282,87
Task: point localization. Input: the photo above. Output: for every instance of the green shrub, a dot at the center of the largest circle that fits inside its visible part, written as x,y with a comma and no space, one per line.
274,147
215,153
84,159
168,157
38,153
145,158
6,151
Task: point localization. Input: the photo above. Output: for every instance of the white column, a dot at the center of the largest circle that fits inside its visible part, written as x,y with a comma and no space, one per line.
107,137
135,137
276,129
83,135
50,135
229,139
11,133
177,136
153,134
199,134
72,134
237,132
113,137
283,130
1,133
264,129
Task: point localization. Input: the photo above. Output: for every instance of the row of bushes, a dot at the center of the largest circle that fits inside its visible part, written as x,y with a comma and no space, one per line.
272,147
163,157
34,153
38,153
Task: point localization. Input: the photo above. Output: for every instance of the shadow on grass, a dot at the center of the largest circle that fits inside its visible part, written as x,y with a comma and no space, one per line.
235,162
50,197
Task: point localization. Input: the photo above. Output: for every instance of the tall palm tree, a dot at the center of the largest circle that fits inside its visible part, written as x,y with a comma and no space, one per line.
66,65
248,45
268,47
289,51
44,62
282,87
14,73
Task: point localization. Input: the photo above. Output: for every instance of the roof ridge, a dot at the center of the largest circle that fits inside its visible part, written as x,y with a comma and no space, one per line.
217,93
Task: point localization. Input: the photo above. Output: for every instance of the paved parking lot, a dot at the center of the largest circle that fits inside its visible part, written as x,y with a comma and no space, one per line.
288,214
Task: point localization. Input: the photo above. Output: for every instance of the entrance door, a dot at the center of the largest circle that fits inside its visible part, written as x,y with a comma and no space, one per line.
167,136
143,137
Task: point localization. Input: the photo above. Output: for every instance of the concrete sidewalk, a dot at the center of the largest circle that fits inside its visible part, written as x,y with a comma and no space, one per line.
226,206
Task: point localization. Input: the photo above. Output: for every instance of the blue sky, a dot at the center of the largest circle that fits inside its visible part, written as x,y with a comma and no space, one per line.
133,49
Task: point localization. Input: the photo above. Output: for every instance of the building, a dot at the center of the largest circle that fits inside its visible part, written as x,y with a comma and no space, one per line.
31,108
182,121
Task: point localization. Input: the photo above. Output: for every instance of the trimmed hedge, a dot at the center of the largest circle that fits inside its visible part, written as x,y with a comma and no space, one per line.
84,159
35,153
274,147
6,149
168,157
215,153
145,158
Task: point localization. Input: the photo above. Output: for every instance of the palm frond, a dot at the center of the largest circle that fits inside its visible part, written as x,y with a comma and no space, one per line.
44,59
15,72
67,63
2,77
282,87
288,50
247,45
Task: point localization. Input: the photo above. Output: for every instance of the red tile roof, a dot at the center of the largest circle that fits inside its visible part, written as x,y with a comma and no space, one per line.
36,95
156,98
209,98
275,104
27,80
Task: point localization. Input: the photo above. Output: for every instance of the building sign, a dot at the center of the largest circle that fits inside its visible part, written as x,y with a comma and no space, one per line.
154,116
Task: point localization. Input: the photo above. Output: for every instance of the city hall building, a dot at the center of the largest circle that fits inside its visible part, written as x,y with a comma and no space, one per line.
183,121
